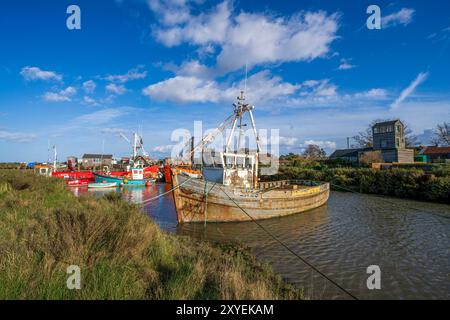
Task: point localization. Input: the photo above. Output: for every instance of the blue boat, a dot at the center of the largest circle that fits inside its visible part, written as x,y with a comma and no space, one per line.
136,179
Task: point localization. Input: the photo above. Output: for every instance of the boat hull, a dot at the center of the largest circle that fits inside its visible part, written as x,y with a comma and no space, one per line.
121,181
101,185
200,201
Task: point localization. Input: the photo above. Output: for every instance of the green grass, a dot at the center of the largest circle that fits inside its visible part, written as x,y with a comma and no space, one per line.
121,252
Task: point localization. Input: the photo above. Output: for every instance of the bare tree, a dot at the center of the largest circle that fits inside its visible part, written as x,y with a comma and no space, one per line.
442,135
314,151
364,139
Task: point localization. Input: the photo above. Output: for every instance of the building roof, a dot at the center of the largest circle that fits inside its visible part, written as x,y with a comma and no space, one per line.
348,152
97,156
436,150
387,123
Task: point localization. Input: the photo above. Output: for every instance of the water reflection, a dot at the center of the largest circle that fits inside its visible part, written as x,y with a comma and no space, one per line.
409,240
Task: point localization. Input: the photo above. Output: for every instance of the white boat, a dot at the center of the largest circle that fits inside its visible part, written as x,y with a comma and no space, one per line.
102,185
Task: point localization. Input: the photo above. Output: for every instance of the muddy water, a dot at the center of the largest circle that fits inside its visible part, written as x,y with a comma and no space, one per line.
408,240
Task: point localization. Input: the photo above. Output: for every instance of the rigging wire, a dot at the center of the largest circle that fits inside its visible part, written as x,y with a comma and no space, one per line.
290,250
145,202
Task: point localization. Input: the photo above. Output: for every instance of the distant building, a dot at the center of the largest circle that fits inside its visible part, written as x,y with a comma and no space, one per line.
388,138
437,154
349,155
93,160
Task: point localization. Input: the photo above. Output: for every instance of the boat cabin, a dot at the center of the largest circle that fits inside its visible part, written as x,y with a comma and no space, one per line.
137,173
43,170
235,169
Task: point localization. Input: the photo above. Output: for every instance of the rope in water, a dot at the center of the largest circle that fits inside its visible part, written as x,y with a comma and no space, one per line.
292,251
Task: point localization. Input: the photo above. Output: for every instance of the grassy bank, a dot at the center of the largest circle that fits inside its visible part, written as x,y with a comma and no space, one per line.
403,183
121,252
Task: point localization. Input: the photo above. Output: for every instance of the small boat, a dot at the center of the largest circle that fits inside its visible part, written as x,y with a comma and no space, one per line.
101,185
134,178
230,189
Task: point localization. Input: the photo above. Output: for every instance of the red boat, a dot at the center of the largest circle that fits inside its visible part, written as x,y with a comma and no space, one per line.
75,178
83,178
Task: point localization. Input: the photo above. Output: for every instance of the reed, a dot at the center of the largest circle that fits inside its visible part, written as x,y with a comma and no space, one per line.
122,254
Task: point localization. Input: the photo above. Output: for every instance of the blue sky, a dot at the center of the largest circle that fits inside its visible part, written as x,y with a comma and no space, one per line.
315,71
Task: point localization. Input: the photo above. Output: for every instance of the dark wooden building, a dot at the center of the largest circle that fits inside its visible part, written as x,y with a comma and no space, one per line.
388,138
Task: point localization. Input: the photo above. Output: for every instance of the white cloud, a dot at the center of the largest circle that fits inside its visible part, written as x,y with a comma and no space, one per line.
321,144
60,96
184,89
421,77
318,88
200,30
90,101
163,149
254,39
113,131
372,93
116,89
102,116
89,86
16,136
346,65
261,87
402,17
132,74
261,39
170,12
287,141
35,73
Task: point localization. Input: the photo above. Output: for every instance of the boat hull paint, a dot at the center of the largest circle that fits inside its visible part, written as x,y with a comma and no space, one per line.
193,206
120,181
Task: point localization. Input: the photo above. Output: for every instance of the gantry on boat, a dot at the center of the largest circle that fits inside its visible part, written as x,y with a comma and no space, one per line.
230,190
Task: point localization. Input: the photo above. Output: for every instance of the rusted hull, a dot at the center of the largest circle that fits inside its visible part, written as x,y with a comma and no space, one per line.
200,201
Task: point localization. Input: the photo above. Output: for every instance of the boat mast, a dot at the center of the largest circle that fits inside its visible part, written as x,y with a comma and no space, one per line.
54,158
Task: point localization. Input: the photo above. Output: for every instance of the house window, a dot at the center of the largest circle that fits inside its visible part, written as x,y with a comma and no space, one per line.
376,130
384,143
398,143
399,128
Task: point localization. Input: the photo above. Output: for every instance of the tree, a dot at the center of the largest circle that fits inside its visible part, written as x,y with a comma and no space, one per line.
442,135
364,139
314,151
370,157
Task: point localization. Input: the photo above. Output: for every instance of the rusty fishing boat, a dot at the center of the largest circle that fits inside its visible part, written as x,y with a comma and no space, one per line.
230,190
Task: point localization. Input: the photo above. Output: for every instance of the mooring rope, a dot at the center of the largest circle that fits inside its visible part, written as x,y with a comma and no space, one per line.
292,251
164,193
381,197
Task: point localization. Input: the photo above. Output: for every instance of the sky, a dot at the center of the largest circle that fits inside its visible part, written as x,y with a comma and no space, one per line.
315,71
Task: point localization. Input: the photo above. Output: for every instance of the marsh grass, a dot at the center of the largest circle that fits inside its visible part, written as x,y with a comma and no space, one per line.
122,254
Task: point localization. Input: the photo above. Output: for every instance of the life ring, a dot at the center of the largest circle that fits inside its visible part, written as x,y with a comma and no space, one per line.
125,181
